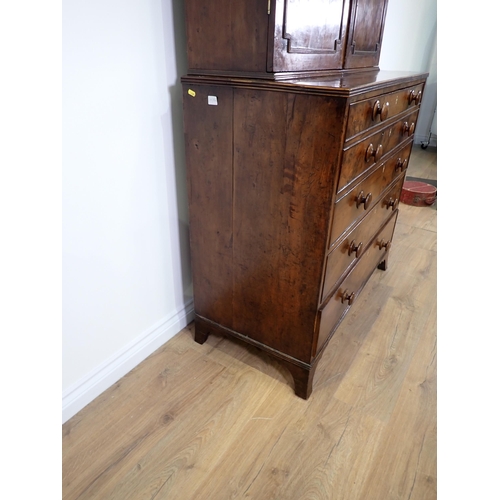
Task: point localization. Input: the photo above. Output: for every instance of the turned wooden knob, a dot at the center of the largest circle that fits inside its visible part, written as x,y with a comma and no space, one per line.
380,109
347,297
401,164
353,248
415,96
361,199
408,129
384,244
392,203
371,151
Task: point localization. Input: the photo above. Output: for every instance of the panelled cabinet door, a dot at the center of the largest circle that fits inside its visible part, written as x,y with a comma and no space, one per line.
364,39
306,35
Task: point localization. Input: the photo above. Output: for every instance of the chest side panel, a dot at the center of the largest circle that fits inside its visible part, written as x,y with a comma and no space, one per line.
286,149
208,143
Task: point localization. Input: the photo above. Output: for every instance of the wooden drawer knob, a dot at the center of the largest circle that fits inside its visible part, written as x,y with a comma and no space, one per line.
361,199
401,164
408,129
347,297
392,203
384,244
371,151
353,248
415,96
380,109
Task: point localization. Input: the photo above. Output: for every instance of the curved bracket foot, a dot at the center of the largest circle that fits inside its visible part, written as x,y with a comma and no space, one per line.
303,379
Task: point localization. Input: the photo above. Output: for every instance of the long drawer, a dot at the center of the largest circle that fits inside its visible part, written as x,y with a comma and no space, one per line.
338,305
353,244
374,149
368,113
357,203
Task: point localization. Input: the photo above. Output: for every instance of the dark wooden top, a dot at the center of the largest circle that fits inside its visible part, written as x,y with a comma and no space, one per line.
343,84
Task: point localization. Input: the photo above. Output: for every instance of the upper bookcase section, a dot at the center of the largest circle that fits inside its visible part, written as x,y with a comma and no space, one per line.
282,38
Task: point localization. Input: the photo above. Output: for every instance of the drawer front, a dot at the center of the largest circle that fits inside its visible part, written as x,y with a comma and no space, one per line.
358,201
366,114
352,285
374,149
353,245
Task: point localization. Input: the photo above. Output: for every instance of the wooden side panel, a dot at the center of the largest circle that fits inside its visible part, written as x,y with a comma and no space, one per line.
225,35
286,147
208,142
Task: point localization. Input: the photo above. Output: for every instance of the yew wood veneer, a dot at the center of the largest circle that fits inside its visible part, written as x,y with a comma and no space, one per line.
293,197
278,39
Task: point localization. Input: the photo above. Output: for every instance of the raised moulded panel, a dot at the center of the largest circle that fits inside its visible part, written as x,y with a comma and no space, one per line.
366,28
307,35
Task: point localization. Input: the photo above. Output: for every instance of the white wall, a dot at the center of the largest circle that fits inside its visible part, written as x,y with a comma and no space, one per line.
409,44
126,277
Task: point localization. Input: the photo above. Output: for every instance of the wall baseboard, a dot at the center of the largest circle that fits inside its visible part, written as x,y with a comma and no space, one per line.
419,139
81,393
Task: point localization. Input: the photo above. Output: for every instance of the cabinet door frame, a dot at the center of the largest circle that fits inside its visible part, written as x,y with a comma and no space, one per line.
285,56
356,57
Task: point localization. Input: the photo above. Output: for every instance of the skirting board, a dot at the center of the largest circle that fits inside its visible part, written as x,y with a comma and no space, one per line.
105,375
431,140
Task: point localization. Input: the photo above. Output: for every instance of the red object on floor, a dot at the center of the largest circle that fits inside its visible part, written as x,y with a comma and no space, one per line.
418,194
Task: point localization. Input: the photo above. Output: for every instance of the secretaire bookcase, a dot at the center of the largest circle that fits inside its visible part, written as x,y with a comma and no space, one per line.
296,150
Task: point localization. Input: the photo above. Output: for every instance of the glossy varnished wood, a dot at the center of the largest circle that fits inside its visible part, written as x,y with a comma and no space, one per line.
349,209
282,37
263,162
305,38
350,288
284,170
366,29
211,232
361,156
261,221
220,420
362,116
353,244
226,35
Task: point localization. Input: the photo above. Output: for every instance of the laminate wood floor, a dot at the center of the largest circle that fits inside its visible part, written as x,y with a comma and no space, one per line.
221,421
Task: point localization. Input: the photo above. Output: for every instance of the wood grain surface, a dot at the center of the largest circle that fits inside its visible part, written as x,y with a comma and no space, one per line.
221,421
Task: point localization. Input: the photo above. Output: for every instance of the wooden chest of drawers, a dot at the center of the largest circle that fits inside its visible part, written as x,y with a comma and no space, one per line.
293,198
